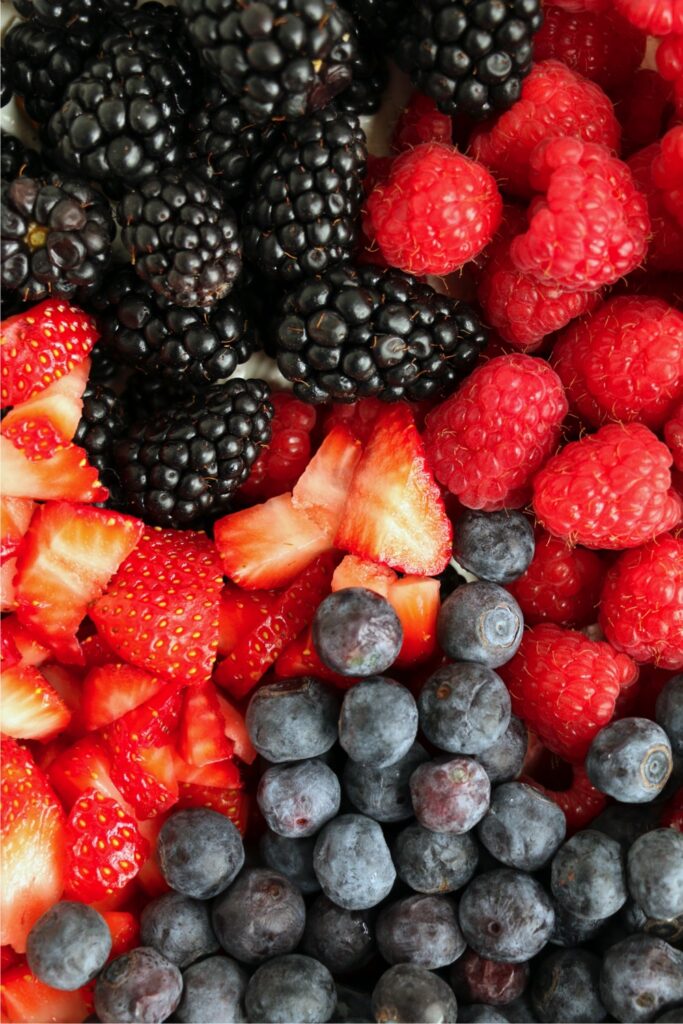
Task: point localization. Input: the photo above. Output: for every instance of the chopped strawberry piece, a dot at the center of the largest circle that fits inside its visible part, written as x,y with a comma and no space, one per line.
416,600
96,652
8,958
31,709
394,511
46,423
283,460
149,724
150,877
32,847
28,1001
112,690
8,599
84,765
321,490
15,516
220,775
29,649
268,545
359,417
233,803
202,737
68,683
239,612
35,436
125,930
300,658
236,731
9,652
358,572
66,476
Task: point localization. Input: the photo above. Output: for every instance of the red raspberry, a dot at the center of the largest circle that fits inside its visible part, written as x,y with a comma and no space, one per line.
669,58
576,6
623,362
581,801
562,584
421,121
665,251
656,17
591,226
643,106
488,439
565,686
641,610
555,101
667,172
437,210
673,435
609,490
601,46
284,459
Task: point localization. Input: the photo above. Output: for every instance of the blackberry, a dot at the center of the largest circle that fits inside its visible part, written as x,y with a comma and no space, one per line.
17,159
56,238
369,331
305,198
370,79
67,12
469,56
6,87
103,421
181,465
182,238
380,17
280,59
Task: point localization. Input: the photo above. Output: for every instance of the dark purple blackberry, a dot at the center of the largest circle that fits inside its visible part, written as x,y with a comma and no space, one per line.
301,218
370,79
6,87
368,331
182,237
104,419
17,159
179,466
470,56
67,12
56,238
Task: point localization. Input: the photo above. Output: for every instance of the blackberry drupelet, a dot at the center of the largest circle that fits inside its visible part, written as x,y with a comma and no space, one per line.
17,159
182,237
305,198
280,58
369,331
67,12
152,394
56,238
470,56
370,79
184,464
103,421
382,17
6,87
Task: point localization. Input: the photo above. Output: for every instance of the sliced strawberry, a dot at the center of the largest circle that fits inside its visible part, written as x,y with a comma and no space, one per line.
150,877
96,652
8,597
82,766
28,1001
15,515
236,731
233,803
29,649
241,670
112,690
416,600
9,652
300,658
32,847
358,572
30,709
239,612
125,931
41,345
47,422
220,775
150,724
268,545
202,738
394,513
8,958
68,682
321,490
160,611
66,476
359,417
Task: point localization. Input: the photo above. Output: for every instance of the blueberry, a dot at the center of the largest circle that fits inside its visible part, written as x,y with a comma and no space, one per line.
631,918
296,800
378,722
383,793
356,632
588,877
571,930
479,1013
353,863
179,928
520,1011
566,987
261,915
504,759
477,980
433,862
68,945
450,795
480,622
291,988
641,977
672,1016
654,871
420,930
293,719
495,546
407,993
506,915
669,712
630,760
625,822
464,708
291,857
522,828
213,993
200,852
341,939
141,985
353,1007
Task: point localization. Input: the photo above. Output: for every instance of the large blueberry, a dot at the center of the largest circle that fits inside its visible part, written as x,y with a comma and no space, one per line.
480,622
353,863
464,708
356,632
378,722
293,719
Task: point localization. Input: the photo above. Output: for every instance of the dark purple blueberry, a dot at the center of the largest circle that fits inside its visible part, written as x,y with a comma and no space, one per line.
141,985
433,862
291,857
353,863
68,945
520,1011
296,800
450,795
480,622
495,546
261,915
669,712
213,993
200,852
378,722
522,828
341,939
293,719
632,919
407,993
566,987
672,1016
291,988
571,930
504,759
506,915
383,793
420,930
356,632
630,760
179,928
654,872
464,708
625,822
478,1013
641,977
475,979
353,1007
588,877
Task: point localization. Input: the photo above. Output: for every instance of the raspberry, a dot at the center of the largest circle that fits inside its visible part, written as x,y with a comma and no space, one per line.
667,172
669,58
601,46
284,459
488,439
643,106
561,585
522,309
421,121
641,610
581,801
665,251
623,362
591,226
565,686
437,210
656,17
673,435
555,101
609,490
576,6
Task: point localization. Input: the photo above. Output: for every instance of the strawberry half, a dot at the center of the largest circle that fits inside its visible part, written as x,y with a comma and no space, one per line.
65,476
28,1000
239,612
321,490
15,516
30,708
236,731
233,803
47,422
202,738
82,766
358,572
111,691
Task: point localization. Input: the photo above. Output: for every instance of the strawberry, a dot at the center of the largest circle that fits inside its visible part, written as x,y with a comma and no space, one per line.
125,930
267,546
111,690
65,476
68,683
8,600
8,958
150,878
219,775
29,1001
160,611
394,512
47,422
240,610
359,417
104,848
9,652
321,490
300,658
29,649
357,572
233,803
416,600
202,739
250,660
84,765
15,515
96,652
31,709
32,847
236,731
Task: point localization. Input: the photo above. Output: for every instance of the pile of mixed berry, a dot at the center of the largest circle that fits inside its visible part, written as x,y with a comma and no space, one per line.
354,694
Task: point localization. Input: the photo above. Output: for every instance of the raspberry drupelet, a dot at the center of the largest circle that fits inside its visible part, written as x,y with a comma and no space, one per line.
665,251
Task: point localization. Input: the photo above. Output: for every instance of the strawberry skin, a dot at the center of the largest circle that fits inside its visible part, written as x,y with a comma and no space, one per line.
65,476
31,709
233,803
47,422
236,731
28,1000
202,740
239,612
125,931
111,690
82,766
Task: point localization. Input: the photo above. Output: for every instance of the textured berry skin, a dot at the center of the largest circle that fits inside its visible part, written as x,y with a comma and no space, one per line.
673,435
580,801
436,211
667,170
656,17
487,440
105,849
641,610
562,584
643,106
555,101
565,686
669,58
421,121
624,362
576,6
609,490
288,452
665,251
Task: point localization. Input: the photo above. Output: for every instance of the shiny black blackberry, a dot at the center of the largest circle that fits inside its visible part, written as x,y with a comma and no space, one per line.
104,419
470,56
382,17
6,88
184,464
67,12
56,238
301,218
17,159
369,331
370,79
182,238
